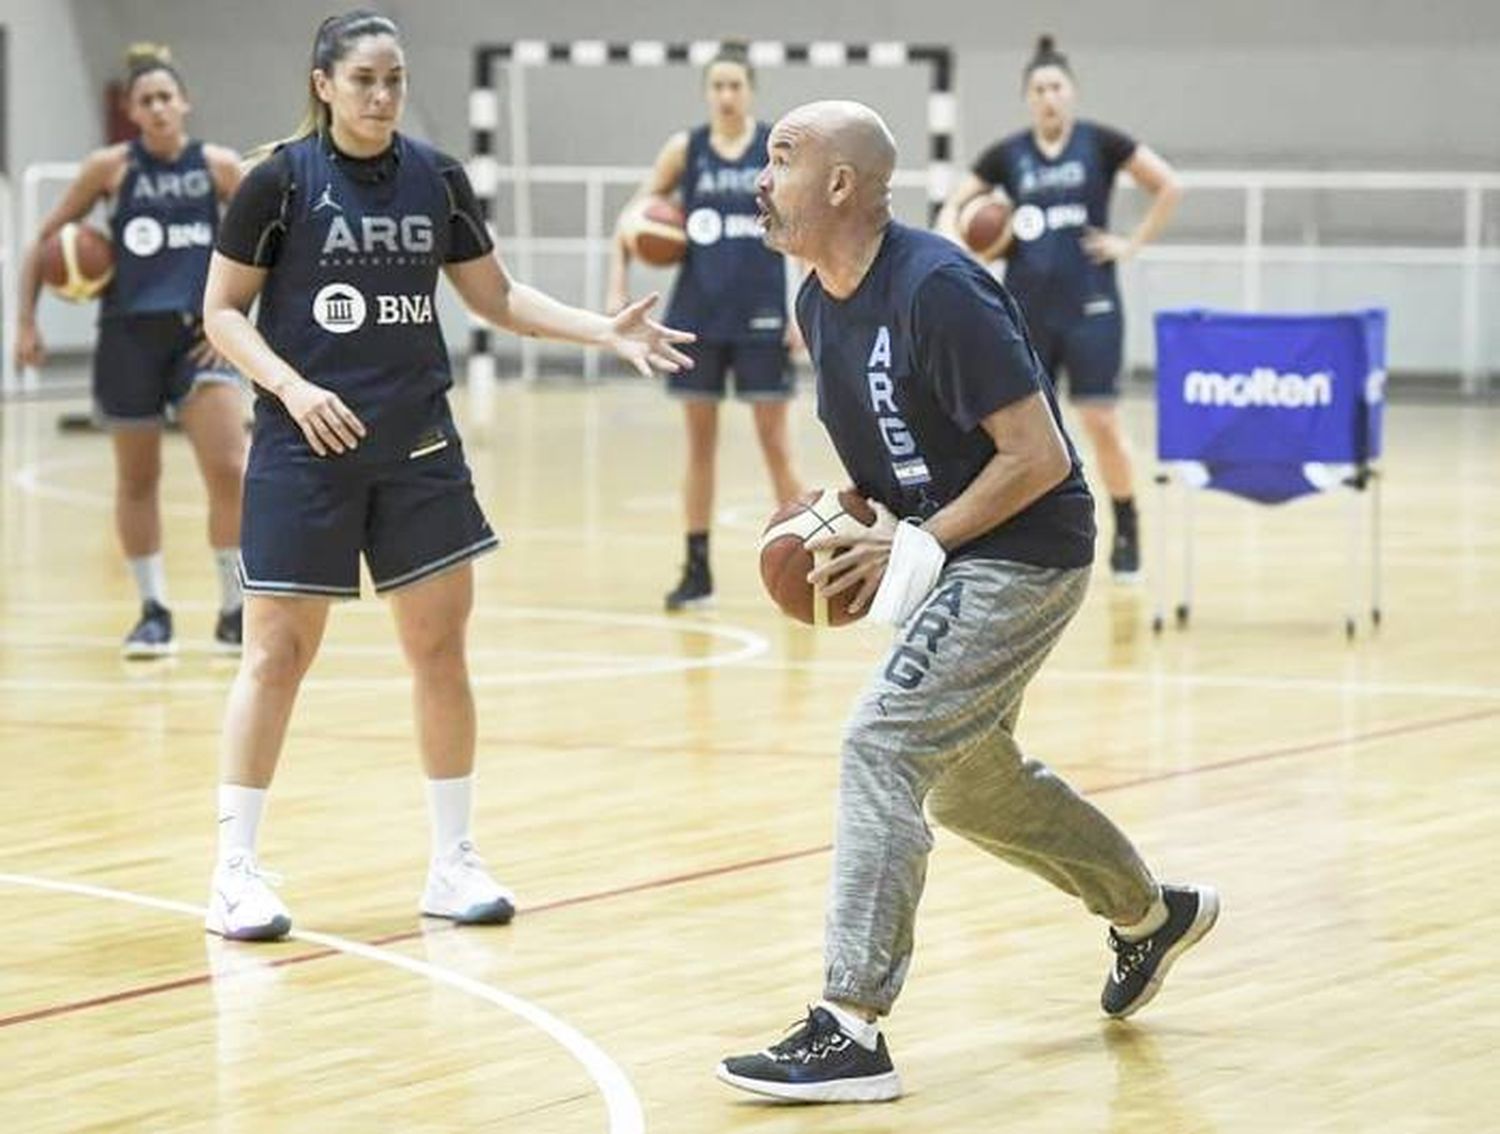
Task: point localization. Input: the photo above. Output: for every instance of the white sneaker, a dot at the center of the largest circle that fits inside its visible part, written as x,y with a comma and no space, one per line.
241,904
460,888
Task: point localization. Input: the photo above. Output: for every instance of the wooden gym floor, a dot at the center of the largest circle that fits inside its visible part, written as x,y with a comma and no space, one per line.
659,791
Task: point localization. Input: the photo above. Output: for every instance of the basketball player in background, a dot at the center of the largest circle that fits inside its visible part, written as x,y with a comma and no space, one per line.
1059,176
730,291
944,416
151,359
340,234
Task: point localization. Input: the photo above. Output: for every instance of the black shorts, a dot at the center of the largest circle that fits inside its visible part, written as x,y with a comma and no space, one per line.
1089,349
142,370
762,372
307,519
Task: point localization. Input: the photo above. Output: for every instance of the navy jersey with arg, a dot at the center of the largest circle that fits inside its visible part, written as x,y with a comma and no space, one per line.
1056,199
348,301
163,224
909,366
731,287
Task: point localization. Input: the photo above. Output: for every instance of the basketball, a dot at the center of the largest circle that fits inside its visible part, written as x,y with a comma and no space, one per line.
984,225
785,560
658,235
77,262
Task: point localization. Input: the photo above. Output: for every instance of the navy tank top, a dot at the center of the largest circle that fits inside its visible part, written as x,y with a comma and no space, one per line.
165,216
1057,200
349,301
731,287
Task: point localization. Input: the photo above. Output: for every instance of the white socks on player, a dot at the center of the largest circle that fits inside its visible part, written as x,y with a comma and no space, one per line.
1155,918
450,803
864,1032
150,573
239,818
227,564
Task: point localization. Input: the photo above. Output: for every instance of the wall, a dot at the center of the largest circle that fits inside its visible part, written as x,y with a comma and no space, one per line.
1337,84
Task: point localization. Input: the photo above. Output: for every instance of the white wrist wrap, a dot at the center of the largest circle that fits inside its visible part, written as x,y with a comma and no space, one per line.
915,564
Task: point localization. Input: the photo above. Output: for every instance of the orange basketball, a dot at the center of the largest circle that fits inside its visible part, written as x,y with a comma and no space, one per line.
658,233
785,560
984,225
77,262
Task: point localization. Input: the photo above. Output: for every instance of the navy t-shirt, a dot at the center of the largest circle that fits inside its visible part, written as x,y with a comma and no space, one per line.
909,366
731,287
1055,200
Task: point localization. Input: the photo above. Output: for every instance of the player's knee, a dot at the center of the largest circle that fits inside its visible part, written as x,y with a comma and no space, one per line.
224,476
949,808
438,654
138,484
277,658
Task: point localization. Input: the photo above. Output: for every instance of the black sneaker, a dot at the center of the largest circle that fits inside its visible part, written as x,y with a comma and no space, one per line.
1141,966
1125,553
817,1062
152,636
696,589
229,631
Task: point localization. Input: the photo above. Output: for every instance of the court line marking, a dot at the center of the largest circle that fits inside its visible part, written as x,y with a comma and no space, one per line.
34,480
621,1102
159,676
753,645
745,865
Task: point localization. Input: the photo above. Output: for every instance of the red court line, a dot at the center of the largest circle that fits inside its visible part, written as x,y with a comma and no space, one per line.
99,1001
667,881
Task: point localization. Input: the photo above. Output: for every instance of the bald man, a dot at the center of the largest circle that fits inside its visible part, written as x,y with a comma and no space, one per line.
944,418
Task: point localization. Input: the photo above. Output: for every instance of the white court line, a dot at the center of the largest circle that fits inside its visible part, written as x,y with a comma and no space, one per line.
1189,680
159,675
620,1099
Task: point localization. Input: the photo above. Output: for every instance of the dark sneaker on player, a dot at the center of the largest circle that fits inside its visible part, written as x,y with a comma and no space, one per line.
1141,966
696,589
1125,554
229,631
816,1062
152,636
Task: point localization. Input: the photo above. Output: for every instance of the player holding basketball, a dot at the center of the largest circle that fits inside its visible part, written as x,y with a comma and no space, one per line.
731,291
942,414
341,234
151,358
1059,176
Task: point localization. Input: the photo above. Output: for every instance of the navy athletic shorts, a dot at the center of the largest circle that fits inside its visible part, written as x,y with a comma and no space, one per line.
762,372
308,519
1089,349
142,370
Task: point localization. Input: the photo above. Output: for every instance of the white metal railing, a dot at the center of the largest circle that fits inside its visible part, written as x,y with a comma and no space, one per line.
1251,255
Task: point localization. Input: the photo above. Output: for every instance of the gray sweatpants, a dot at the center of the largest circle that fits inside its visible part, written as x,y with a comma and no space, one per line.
937,724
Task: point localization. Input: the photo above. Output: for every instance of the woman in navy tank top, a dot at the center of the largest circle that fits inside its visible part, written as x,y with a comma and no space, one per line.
730,291
1058,176
341,234
151,359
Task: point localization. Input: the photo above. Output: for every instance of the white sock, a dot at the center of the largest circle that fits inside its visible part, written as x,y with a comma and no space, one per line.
1155,918
864,1032
227,563
450,803
239,818
150,573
